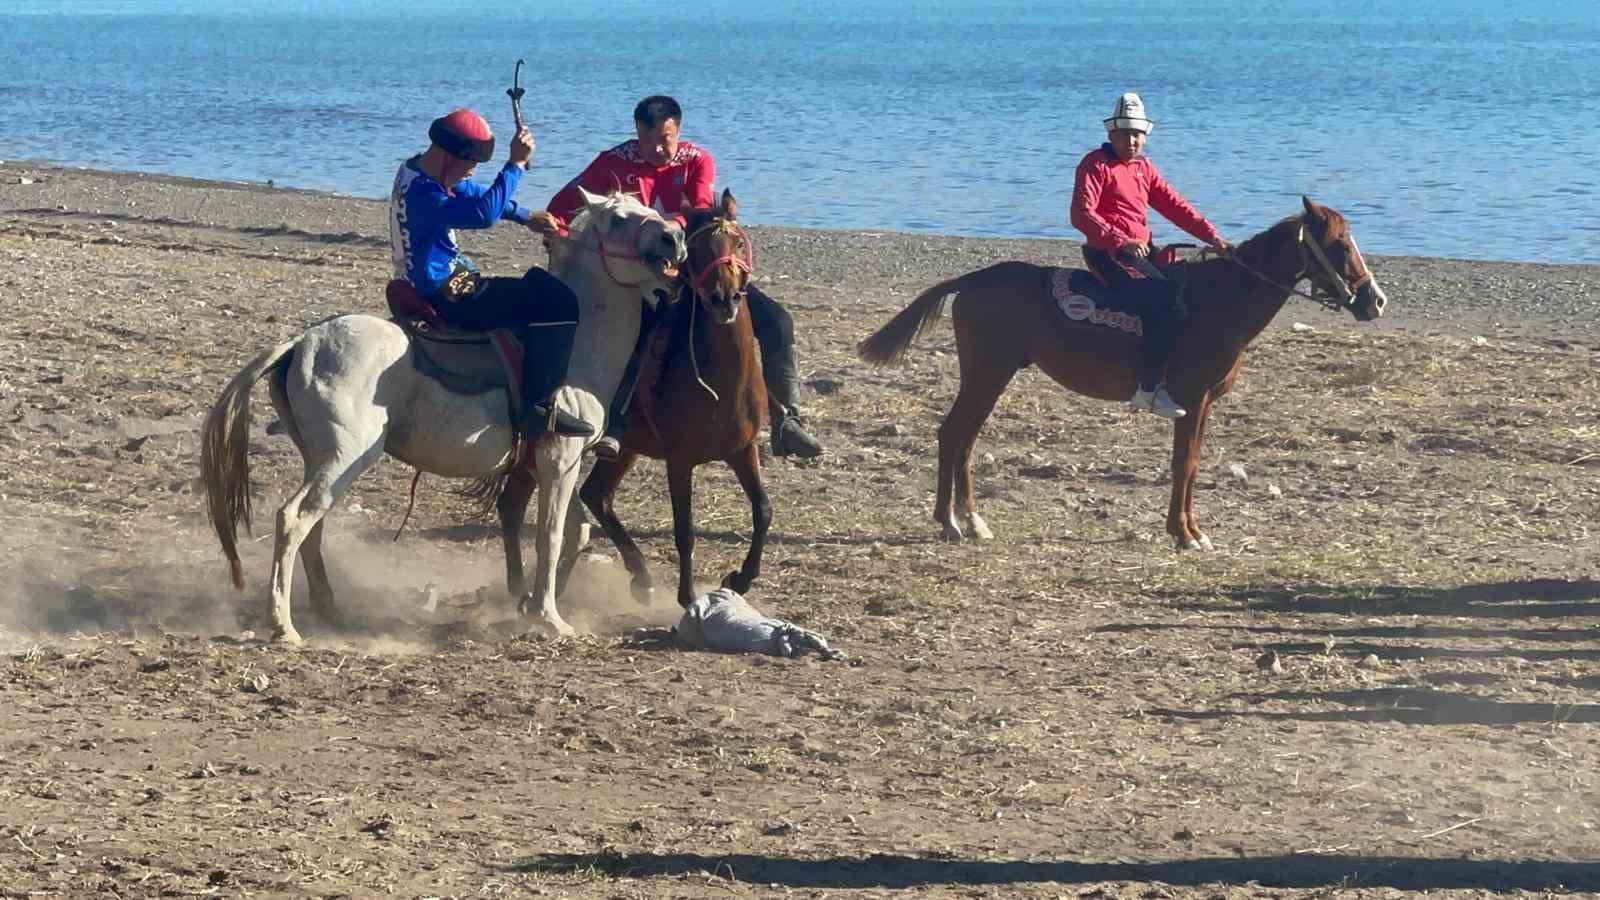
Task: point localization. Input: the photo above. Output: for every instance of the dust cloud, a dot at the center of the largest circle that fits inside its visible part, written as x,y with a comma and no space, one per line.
67,580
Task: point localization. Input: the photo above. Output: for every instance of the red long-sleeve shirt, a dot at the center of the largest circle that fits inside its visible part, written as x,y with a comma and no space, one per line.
1110,196
685,183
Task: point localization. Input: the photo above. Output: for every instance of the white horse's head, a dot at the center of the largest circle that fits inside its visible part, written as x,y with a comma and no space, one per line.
618,239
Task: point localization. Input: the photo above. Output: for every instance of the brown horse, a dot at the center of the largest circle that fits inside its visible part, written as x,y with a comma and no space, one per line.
1004,320
700,397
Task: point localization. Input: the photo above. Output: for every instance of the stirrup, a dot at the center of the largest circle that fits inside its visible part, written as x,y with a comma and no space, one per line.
607,448
540,420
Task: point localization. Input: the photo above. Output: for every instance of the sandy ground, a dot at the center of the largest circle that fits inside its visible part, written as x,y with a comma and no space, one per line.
1384,682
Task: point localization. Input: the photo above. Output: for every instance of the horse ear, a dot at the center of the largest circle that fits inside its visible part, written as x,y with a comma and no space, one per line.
730,206
1311,208
588,198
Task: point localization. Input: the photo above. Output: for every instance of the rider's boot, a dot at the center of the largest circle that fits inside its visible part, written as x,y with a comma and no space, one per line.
789,436
540,380
540,418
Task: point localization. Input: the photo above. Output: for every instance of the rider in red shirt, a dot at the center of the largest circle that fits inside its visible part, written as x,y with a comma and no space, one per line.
671,175
1113,187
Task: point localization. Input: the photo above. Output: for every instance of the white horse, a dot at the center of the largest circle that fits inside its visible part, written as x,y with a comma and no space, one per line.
347,391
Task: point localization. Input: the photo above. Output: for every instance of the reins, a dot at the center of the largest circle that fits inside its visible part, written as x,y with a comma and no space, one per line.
1310,252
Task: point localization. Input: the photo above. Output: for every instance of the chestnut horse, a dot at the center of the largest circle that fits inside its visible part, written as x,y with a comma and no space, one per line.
700,397
1004,320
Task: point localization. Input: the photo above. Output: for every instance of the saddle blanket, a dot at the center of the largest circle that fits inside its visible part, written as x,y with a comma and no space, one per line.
1081,297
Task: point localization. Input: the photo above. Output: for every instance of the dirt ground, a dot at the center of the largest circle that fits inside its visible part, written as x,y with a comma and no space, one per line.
1384,682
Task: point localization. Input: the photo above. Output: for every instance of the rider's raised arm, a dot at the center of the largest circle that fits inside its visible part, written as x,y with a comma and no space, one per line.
1165,200
471,205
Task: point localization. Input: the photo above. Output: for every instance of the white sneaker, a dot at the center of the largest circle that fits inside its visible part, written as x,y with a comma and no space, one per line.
1157,401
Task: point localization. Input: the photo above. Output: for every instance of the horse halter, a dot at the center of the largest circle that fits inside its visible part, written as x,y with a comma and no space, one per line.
745,262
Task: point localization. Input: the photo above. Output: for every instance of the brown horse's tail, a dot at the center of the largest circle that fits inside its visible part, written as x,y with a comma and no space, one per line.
225,454
888,345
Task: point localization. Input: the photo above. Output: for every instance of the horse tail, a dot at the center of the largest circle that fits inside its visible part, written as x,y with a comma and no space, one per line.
888,345
225,454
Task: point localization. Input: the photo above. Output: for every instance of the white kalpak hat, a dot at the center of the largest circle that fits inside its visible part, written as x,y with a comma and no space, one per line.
1129,114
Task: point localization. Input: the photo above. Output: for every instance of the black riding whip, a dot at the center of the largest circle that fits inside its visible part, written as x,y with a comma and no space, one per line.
515,92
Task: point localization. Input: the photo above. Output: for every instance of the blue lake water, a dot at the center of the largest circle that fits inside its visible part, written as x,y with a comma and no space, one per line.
1441,127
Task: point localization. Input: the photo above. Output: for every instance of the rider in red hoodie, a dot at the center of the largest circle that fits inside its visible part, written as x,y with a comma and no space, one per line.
672,175
1113,188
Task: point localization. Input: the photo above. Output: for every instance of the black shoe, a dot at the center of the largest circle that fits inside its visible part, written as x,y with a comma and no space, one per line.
790,438
538,421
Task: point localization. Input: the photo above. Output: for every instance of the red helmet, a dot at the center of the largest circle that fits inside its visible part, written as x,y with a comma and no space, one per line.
464,134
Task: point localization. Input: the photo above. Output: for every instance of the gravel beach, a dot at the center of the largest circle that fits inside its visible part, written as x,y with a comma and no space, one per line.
1382,683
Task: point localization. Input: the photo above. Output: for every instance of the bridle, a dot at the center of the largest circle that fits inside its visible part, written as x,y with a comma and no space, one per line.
744,262
605,254
1313,257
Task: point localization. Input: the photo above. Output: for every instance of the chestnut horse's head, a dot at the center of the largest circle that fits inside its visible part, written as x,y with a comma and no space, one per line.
1334,264
720,259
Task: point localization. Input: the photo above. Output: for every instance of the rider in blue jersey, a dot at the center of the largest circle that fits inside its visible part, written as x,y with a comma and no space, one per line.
433,195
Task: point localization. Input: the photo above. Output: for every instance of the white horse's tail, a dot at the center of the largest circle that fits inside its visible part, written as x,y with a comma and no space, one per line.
225,454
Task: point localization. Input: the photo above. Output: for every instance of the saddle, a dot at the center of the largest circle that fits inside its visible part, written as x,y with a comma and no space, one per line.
1083,295
464,361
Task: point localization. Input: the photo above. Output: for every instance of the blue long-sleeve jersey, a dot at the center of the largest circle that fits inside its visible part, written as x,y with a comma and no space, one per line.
423,216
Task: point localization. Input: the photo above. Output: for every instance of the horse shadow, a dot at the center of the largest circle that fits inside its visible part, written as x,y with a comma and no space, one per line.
898,872
1518,599
1347,641
1401,705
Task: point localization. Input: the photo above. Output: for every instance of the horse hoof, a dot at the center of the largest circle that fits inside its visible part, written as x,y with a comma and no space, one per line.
950,534
643,594
288,637
737,583
979,528
558,625
1205,543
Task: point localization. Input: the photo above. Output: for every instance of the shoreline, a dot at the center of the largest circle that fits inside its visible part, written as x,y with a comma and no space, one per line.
1553,304
12,168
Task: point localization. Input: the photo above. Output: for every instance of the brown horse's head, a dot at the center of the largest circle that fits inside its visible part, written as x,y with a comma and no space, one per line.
1334,263
720,259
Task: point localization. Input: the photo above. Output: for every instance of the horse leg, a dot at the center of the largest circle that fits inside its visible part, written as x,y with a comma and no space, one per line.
598,493
980,389
1202,417
558,463
680,483
317,578
325,482
571,535
1186,435
987,389
512,507
746,465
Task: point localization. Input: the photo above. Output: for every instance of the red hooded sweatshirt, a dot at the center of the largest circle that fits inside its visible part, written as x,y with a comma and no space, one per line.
1110,196
685,183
